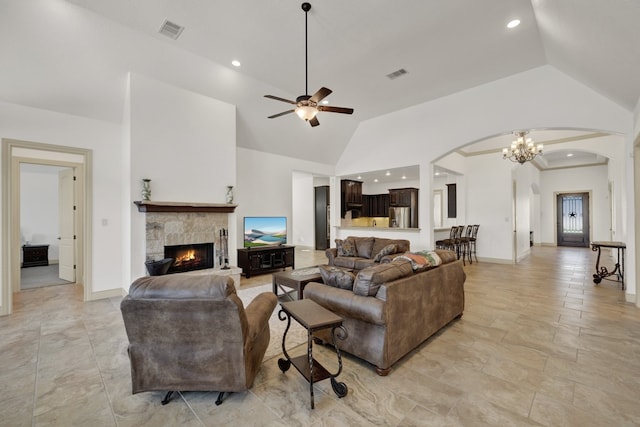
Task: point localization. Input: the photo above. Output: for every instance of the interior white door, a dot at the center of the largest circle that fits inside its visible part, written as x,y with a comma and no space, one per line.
66,207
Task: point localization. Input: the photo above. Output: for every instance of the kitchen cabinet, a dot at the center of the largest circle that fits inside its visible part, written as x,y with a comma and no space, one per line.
350,197
406,197
376,205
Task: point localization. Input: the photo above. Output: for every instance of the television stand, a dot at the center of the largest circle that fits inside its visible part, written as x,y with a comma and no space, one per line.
260,259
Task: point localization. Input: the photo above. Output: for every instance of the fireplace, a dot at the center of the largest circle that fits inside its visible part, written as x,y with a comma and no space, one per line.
196,256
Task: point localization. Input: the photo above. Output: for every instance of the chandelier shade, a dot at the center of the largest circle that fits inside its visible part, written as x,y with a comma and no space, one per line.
522,150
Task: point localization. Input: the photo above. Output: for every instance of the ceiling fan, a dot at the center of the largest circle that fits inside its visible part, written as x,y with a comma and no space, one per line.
307,106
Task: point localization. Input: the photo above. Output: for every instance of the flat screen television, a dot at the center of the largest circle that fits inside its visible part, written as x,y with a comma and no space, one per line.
265,231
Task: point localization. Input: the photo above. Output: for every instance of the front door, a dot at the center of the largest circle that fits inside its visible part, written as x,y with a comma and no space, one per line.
573,219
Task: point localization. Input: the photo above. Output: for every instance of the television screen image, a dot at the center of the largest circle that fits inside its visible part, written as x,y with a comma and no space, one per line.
265,231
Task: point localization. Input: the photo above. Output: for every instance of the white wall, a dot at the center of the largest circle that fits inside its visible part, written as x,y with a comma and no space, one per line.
39,216
591,180
265,185
303,229
185,143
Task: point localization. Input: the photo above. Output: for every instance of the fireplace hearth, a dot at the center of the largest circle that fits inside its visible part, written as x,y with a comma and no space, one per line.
197,256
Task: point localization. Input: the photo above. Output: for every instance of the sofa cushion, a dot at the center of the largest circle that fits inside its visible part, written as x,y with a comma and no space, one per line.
403,245
361,263
345,262
369,280
387,250
346,247
446,255
364,245
337,277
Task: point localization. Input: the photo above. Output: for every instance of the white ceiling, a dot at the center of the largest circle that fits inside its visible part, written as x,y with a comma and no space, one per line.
445,47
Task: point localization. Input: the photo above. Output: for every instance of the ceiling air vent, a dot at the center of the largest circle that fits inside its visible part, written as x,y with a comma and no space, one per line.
398,73
171,29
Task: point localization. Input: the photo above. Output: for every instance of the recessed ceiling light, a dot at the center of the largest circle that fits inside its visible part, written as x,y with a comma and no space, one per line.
570,155
404,177
375,180
359,177
513,24
388,173
235,63
325,101
437,173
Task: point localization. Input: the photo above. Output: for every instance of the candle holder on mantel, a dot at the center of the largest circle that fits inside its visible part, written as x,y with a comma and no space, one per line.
223,253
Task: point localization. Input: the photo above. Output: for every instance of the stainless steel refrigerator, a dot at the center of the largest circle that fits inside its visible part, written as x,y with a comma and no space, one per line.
399,217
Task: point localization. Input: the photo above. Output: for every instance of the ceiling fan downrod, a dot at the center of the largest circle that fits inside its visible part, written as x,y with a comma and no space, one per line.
306,7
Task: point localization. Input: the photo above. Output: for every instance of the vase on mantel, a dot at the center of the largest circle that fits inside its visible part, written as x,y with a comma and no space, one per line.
146,189
229,197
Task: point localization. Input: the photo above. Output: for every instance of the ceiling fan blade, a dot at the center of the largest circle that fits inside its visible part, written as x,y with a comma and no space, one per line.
314,122
277,98
322,93
335,109
280,114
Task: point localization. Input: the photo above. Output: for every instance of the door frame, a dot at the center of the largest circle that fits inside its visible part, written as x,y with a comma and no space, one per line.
15,152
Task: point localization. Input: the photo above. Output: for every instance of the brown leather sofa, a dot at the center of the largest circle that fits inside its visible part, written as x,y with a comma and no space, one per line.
356,253
406,309
192,333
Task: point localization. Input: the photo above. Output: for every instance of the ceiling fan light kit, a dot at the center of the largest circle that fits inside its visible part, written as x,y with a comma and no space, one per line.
306,106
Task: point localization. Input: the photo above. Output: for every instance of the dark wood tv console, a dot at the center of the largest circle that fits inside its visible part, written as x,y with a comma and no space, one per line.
262,259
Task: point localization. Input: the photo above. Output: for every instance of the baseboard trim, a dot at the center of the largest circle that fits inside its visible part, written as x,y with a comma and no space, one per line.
111,293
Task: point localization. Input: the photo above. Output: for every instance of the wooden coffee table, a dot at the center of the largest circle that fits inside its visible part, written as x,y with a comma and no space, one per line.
313,317
295,279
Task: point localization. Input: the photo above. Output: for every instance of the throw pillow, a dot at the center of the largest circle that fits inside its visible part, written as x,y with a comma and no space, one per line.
346,247
337,277
387,250
369,280
364,247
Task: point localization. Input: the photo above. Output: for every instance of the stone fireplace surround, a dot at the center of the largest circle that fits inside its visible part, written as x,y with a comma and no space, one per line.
181,228
169,223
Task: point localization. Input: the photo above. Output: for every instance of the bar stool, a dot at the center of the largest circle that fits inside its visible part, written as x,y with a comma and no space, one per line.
449,243
472,241
465,244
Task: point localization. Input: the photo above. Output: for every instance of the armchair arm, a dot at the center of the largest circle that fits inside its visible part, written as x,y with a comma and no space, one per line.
331,254
258,313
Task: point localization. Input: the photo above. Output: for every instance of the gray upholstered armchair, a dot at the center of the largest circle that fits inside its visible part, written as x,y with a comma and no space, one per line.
192,333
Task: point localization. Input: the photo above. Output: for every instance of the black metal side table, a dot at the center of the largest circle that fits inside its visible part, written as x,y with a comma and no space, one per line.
618,270
312,317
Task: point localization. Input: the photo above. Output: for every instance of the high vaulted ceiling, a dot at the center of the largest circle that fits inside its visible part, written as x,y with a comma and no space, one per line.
444,46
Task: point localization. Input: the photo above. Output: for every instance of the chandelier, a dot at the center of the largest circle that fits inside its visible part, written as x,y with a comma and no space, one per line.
522,149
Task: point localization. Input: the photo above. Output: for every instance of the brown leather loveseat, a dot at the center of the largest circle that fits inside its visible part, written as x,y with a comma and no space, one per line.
391,309
357,253
192,333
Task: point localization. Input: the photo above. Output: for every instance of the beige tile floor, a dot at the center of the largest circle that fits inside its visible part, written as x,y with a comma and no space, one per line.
539,344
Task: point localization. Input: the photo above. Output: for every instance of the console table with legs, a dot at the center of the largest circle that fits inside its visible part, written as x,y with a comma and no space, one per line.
312,317
618,269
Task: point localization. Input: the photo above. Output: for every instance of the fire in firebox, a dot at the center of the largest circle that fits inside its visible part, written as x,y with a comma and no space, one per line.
190,257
